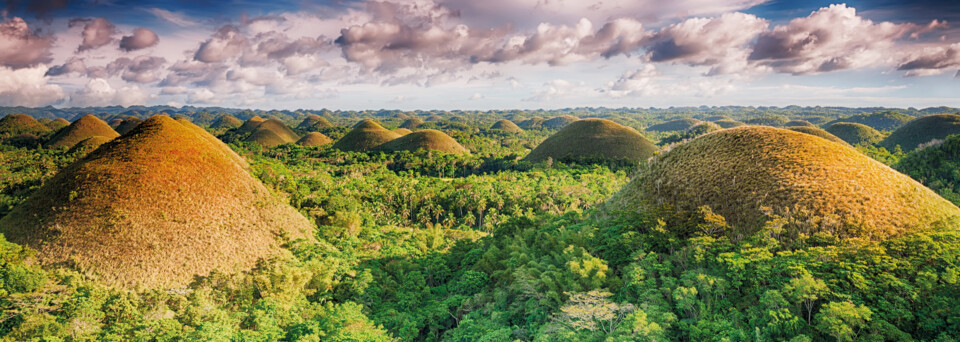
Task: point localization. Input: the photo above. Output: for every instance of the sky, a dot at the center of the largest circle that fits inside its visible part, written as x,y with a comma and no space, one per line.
468,54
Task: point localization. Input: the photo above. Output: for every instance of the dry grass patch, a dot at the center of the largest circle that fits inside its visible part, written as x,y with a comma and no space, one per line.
85,127
365,136
855,133
16,124
594,138
314,139
427,139
507,126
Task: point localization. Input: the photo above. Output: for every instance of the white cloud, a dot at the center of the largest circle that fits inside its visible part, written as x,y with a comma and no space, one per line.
173,17
99,92
27,87
22,47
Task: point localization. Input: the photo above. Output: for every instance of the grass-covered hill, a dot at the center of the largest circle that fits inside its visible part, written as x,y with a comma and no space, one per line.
314,139
855,133
17,124
881,121
314,122
532,123
559,122
156,207
402,131
770,120
746,173
922,130
729,123
798,123
936,166
250,125
226,121
89,144
674,125
814,130
58,124
506,126
594,138
128,125
87,126
427,139
271,133
365,136
411,123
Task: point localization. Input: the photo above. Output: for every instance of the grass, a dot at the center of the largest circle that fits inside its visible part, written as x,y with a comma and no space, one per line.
314,139
855,133
89,144
507,126
594,138
85,127
559,122
881,121
675,125
729,123
250,125
813,130
402,131
154,208
128,125
817,185
17,124
272,133
531,123
922,130
313,121
427,139
365,136
226,121
798,123
411,123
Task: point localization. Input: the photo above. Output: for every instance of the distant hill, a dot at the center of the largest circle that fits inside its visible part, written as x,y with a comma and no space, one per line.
85,127
314,139
813,130
506,126
675,125
881,121
402,131
411,123
798,123
313,121
559,122
855,133
250,125
922,130
226,122
128,125
16,124
156,207
427,139
594,138
773,121
744,173
365,136
58,124
936,167
89,144
272,133
729,123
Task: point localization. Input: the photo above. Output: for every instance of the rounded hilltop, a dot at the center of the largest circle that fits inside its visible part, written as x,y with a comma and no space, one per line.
559,122
855,133
89,144
594,138
226,121
128,125
729,123
156,207
427,139
402,131
250,125
314,139
365,136
922,130
87,126
674,125
17,124
314,121
745,173
411,123
58,123
272,133
506,126
799,123
813,130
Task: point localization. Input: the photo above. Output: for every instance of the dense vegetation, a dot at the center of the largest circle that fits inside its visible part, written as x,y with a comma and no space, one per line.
486,246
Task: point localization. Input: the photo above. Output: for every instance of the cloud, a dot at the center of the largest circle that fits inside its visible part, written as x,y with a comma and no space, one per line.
27,87
20,47
721,42
648,82
142,38
225,44
173,17
97,32
42,8
141,69
99,92
832,38
931,61
72,65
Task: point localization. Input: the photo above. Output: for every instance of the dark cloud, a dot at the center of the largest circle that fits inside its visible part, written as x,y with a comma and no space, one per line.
41,8
142,38
21,47
97,32
73,65
932,60
226,43
142,69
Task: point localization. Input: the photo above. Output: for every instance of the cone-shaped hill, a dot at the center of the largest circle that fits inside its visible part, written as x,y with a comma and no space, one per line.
58,124
411,123
741,172
365,136
272,133
729,123
798,123
314,139
531,123
89,144
594,138
507,126
154,208
128,125
855,133
85,127
16,124
813,130
919,131
675,125
559,122
428,139
226,121
314,121
250,125
402,131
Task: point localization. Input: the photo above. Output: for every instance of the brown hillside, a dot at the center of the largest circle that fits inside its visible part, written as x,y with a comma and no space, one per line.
128,125
812,130
250,125
313,121
411,123
729,123
365,136
85,127
16,124
594,138
314,139
58,124
154,208
823,186
89,144
226,121
427,139
272,133
402,131
507,126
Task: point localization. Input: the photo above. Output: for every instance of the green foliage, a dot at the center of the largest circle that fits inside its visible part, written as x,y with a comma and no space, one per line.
937,166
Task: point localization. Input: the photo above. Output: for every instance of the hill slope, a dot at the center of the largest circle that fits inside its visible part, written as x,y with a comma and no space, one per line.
16,124
922,130
272,133
427,139
226,121
154,208
594,138
313,121
87,126
365,136
815,131
314,139
559,122
507,126
675,125
854,133
826,186
880,121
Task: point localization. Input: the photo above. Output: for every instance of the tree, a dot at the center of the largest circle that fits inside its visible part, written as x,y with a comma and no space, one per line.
806,290
842,320
593,311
